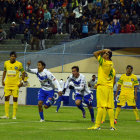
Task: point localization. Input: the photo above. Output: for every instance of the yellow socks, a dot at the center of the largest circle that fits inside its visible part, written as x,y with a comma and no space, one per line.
136,113
99,116
111,117
15,105
104,114
7,108
118,109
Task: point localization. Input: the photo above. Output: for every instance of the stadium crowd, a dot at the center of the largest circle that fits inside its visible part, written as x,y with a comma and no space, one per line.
79,18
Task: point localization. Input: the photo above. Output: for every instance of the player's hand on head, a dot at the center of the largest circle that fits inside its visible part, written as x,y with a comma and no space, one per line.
29,63
107,50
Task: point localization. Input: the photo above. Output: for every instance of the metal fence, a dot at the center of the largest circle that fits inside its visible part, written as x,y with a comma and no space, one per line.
80,52
62,62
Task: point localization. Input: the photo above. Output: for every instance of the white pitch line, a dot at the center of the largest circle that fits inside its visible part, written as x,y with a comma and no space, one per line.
42,122
19,122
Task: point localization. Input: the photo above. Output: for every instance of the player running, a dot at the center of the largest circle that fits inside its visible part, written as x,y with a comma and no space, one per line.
64,97
128,84
48,83
105,95
77,82
11,83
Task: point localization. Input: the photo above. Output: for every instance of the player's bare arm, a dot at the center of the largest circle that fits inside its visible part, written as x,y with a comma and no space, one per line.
118,88
97,53
135,93
114,81
3,77
28,63
21,83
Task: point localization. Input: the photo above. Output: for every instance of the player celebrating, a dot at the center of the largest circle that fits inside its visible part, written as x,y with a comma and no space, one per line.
128,83
11,83
64,97
48,83
104,95
77,82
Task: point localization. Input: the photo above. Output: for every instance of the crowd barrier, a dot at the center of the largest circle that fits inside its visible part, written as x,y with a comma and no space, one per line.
32,94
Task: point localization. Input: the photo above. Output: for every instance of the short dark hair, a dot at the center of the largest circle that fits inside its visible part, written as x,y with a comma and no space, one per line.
42,63
75,67
93,75
129,66
110,54
13,53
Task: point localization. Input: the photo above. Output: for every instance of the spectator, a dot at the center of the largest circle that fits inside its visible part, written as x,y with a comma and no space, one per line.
122,29
116,26
92,83
112,10
13,31
93,31
20,16
29,9
58,3
75,4
52,30
105,16
27,22
134,17
125,17
90,5
35,38
67,13
85,29
2,35
101,27
26,36
47,15
13,11
74,33
40,13
110,28
78,12
130,28
2,11
60,17
42,39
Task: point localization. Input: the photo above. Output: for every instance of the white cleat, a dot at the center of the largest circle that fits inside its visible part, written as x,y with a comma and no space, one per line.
112,129
4,117
14,118
42,120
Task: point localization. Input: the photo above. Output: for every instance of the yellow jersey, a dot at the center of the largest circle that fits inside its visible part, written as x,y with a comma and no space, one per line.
13,70
128,83
106,72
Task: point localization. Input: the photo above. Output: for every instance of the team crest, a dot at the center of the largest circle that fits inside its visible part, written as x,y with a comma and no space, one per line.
16,68
132,79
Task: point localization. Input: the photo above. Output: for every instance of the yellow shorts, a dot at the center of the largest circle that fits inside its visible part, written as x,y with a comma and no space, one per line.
123,99
14,92
105,96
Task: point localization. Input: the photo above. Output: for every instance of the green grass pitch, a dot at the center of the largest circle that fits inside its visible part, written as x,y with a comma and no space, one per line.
67,124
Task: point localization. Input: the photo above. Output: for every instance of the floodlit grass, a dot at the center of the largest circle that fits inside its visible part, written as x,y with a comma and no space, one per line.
67,124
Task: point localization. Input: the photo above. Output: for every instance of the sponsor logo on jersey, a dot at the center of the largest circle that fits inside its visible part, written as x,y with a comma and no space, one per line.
16,68
132,79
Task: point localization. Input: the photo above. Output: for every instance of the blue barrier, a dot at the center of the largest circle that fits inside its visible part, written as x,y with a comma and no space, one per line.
32,99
